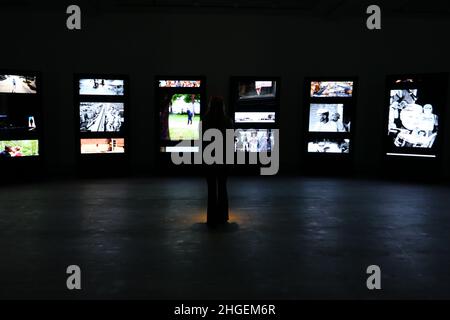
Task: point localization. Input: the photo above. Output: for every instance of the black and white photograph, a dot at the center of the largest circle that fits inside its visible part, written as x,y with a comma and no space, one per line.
329,146
10,83
254,117
328,118
411,124
104,87
101,117
254,140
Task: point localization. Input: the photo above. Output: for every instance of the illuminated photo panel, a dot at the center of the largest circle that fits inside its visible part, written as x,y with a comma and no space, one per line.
415,112
104,87
101,116
12,83
329,89
180,83
102,145
180,116
328,118
257,89
254,140
329,146
254,117
19,148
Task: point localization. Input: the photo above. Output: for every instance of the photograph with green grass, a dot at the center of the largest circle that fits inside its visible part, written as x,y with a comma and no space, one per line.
19,148
184,117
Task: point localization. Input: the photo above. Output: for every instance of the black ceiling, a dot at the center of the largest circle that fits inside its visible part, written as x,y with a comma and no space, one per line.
320,8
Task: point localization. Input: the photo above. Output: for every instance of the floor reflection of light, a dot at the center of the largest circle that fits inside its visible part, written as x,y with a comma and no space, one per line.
234,217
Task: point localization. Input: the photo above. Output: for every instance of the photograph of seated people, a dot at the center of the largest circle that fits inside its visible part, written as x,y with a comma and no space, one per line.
410,124
327,118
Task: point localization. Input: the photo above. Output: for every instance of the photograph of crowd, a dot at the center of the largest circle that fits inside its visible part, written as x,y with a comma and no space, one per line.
254,117
329,146
19,148
257,89
180,116
17,84
253,140
328,118
106,87
179,83
411,125
328,89
101,117
96,146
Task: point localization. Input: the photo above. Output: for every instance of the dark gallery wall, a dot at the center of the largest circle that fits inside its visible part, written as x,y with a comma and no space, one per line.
216,44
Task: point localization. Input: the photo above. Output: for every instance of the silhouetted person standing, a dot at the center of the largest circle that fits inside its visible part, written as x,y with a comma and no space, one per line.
216,174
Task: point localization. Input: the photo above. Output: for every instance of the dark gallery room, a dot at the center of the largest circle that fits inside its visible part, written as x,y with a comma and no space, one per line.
247,155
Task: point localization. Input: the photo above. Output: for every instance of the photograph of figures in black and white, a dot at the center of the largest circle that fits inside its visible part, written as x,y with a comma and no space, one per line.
329,146
10,83
411,125
328,118
253,140
327,89
105,87
254,117
101,117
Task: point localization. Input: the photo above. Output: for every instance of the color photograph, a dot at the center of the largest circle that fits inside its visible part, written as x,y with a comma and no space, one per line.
19,148
17,84
180,116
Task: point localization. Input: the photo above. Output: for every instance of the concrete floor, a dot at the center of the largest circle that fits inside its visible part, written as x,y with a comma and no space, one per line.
288,238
